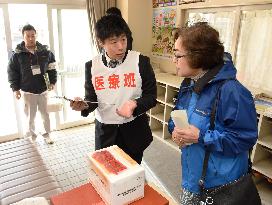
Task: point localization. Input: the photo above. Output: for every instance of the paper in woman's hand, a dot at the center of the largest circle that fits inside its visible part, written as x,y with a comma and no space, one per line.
180,118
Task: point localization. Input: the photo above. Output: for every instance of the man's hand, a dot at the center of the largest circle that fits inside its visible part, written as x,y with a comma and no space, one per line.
78,104
51,87
17,94
126,110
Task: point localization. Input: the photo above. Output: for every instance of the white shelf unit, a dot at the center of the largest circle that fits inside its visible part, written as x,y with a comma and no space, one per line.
167,87
262,156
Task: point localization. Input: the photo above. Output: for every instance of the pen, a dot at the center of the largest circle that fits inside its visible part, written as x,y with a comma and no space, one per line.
86,101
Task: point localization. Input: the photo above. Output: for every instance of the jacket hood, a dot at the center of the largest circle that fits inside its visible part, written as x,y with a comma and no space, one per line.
21,47
228,71
223,71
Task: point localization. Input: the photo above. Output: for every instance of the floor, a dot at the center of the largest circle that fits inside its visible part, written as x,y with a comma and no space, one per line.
67,157
166,167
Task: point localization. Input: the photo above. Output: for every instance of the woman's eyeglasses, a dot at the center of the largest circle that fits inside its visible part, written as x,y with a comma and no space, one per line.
179,56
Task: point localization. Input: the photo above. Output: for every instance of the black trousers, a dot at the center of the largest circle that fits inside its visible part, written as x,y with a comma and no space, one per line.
132,137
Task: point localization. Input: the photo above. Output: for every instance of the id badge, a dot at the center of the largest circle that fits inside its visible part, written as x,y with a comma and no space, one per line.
36,69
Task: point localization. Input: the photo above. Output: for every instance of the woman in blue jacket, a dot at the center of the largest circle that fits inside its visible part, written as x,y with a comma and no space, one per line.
199,57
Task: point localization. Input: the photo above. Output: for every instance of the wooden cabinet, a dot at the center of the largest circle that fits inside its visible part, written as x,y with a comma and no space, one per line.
167,86
262,156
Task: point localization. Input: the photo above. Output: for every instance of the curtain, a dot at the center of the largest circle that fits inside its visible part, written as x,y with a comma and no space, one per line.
223,22
96,9
254,62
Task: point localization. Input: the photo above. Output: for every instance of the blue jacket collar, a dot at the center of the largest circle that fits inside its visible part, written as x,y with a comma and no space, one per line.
220,72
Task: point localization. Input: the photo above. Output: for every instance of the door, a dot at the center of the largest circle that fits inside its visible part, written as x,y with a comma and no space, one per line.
20,15
8,109
72,48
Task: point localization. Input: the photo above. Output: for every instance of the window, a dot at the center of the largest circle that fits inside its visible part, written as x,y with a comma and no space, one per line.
71,26
8,124
246,32
34,14
222,21
71,36
254,60
72,44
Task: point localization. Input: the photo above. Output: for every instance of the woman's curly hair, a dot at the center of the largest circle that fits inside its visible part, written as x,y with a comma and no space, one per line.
203,46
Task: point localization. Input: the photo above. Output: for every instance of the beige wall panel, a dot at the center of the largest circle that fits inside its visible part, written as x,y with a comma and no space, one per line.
54,2
140,22
138,15
123,6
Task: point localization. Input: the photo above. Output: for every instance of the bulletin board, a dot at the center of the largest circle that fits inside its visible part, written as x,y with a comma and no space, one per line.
163,3
164,21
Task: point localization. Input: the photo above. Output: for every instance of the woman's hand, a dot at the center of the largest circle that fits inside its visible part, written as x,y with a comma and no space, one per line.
185,136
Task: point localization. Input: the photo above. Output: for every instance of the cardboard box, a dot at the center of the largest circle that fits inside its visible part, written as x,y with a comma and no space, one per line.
86,195
116,177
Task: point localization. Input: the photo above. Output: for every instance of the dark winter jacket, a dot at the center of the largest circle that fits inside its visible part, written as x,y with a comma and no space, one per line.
20,72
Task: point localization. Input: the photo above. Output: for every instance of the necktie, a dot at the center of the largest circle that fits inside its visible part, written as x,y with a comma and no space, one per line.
113,63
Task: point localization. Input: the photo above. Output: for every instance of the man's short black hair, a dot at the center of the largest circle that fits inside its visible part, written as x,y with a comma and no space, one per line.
111,25
114,11
28,27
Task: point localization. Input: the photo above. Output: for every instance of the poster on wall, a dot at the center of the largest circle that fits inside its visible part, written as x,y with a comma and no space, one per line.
164,21
163,3
189,1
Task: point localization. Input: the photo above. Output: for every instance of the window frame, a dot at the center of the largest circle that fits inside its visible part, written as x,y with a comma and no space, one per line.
50,7
237,19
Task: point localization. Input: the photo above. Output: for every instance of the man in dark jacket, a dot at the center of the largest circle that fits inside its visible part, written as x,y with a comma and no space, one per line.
124,85
31,69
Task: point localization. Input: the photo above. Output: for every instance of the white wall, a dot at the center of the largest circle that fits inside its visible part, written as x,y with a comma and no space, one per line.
138,14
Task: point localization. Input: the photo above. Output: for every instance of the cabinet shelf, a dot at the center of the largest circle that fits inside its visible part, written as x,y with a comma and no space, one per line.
262,160
265,190
158,116
158,112
169,79
160,99
161,90
157,133
167,89
171,95
156,127
264,167
170,105
266,141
